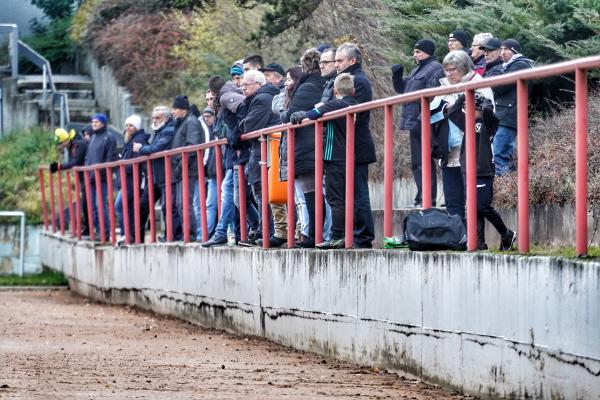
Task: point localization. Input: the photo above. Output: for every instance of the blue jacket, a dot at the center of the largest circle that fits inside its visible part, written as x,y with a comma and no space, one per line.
163,138
102,148
127,153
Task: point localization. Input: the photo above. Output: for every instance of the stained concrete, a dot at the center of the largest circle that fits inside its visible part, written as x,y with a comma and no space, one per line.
496,326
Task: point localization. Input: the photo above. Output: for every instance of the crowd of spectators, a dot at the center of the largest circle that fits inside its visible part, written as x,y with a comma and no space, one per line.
258,95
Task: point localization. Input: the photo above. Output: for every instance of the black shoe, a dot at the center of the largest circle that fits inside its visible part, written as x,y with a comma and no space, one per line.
247,243
482,246
307,243
508,240
416,204
215,241
331,244
274,242
162,239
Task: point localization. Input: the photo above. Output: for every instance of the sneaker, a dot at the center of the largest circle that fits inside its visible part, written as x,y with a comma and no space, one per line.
274,242
331,244
307,243
482,246
215,241
247,243
507,241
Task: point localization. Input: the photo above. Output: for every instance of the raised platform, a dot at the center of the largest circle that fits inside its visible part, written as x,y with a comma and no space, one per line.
495,326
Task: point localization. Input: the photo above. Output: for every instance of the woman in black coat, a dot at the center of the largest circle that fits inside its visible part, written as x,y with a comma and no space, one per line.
307,93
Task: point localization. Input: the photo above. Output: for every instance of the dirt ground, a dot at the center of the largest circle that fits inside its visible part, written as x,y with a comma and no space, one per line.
57,345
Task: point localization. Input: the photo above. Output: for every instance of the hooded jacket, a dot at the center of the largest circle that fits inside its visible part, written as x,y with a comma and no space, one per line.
102,148
505,97
127,153
231,99
163,139
260,115
188,132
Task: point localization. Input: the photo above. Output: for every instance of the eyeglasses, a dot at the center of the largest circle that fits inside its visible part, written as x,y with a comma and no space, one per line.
452,40
249,84
325,62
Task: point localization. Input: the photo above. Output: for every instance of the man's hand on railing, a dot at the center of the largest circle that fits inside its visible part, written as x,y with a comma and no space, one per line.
54,167
297,117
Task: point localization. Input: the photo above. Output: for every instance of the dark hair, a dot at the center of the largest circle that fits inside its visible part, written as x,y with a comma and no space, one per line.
194,109
295,73
215,83
254,59
310,61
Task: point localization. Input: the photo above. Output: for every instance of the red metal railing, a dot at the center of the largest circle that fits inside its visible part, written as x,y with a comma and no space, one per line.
580,67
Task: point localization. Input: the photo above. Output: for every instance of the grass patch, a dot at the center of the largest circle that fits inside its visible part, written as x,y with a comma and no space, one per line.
46,278
562,252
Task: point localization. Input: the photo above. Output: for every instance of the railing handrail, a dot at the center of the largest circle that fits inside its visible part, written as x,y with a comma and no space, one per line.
40,61
528,74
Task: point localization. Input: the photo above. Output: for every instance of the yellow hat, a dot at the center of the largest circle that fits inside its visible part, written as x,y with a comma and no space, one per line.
61,135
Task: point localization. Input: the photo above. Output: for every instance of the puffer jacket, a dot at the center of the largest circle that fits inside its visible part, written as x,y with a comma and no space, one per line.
505,97
163,138
188,132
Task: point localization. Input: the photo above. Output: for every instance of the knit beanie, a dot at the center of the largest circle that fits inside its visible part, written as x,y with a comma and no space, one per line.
100,117
461,36
134,120
236,70
512,45
181,102
426,46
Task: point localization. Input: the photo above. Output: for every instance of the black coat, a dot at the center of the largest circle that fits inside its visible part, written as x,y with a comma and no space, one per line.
127,153
163,138
505,96
260,115
493,69
328,90
188,132
231,100
102,148
364,150
427,75
309,90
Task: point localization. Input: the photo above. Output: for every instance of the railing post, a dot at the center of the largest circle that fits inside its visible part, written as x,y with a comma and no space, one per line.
44,86
581,131
70,201
43,193
151,213
88,198
136,203
61,203
78,200
185,193
318,181
349,180
111,205
291,201
52,205
471,181
264,176
426,154
124,204
388,172
169,198
202,193
523,164
219,165
100,204
242,194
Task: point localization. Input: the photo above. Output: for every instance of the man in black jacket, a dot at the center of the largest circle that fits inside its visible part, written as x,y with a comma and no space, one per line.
188,132
259,98
505,98
76,147
427,75
348,59
102,148
493,61
328,73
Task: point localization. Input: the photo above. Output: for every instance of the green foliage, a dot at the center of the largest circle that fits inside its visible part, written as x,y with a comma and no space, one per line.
46,278
55,9
548,30
21,152
53,42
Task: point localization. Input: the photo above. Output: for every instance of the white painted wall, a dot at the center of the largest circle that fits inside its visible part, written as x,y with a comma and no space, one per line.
493,325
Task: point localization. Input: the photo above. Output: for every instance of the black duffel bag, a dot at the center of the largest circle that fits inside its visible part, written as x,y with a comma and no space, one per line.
434,229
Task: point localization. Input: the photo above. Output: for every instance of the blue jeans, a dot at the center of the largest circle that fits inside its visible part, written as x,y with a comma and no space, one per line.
454,191
119,212
229,214
102,202
302,211
211,208
503,147
252,218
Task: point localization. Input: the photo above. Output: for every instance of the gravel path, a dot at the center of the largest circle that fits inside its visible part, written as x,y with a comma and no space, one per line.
57,345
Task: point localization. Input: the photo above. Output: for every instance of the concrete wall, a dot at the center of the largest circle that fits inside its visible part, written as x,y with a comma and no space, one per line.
9,249
18,112
492,325
113,97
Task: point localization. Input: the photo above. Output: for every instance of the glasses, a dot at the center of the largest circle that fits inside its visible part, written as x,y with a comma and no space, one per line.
249,84
325,62
452,40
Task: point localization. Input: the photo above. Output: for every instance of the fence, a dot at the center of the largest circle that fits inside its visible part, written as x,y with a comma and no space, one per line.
579,67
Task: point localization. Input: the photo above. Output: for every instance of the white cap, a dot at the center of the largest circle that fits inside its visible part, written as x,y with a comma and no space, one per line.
134,120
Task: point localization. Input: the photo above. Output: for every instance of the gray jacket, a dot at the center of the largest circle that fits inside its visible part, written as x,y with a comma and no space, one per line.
188,132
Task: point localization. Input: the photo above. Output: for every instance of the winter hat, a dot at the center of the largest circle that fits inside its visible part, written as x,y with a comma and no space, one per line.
61,135
100,117
512,45
181,102
426,46
324,46
134,120
87,130
208,110
491,44
461,36
273,67
236,69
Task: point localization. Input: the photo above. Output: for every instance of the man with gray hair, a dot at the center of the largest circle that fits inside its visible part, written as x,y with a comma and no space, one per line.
348,58
259,99
478,55
163,126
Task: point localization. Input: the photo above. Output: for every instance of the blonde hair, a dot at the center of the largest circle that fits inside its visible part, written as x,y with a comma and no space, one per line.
344,84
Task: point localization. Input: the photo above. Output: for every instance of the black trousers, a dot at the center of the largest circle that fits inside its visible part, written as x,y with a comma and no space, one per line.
485,210
364,230
416,166
335,191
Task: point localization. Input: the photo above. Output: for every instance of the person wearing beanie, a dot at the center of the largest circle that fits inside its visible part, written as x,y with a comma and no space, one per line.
134,134
505,99
426,75
101,149
188,132
236,72
458,40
